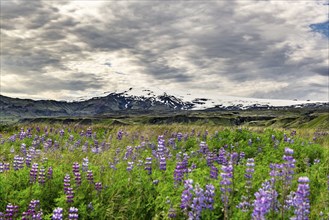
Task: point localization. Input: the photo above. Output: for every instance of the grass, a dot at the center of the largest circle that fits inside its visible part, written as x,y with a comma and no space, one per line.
133,195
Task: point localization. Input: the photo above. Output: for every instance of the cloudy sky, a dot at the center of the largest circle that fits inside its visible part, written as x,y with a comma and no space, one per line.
63,49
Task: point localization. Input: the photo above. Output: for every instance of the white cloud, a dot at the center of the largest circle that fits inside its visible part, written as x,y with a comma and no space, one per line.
241,48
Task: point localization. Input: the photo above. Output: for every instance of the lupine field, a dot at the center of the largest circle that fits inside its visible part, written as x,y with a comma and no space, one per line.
163,172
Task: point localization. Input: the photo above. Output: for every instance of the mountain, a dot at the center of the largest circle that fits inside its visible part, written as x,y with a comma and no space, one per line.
136,101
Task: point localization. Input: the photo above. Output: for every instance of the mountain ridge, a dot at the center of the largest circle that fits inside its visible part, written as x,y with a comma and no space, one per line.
135,102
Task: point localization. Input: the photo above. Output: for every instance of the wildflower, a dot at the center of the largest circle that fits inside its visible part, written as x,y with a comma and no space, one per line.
41,178
85,164
130,166
163,163
148,165
57,214
209,196
214,172
18,162
186,199
28,160
172,213
301,201
67,183
90,176
203,148
226,182
69,195
265,198
11,211
179,172
98,186
198,203
73,213
34,173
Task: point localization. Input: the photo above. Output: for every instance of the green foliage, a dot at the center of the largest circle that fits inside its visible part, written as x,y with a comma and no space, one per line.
133,194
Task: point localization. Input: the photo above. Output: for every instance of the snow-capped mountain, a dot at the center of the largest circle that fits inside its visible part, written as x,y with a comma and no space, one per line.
142,100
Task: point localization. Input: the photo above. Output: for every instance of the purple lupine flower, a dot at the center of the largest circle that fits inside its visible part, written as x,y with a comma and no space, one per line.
288,166
34,173
198,203
179,136
316,161
210,158
73,213
76,167
235,157
172,143
77,178
209,196
23,149
28,160
187,195
172,213
222,158
41,177
98,186
11,211
203,148
163,164
161,146
128,153
32,212
18,162
50,173
264,201
226,182
90,176
89,132
301,201
130,166
119,135
179,172
276,171
57,214
155,182
245,203
85,164
1,167
214,172
67,184
61,132
85,147
242,155
6,166
148,165
249,171
69,195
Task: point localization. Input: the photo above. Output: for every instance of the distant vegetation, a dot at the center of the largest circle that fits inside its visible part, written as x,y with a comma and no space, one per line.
103,171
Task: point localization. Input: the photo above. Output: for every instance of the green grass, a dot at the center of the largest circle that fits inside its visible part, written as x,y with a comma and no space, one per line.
132,195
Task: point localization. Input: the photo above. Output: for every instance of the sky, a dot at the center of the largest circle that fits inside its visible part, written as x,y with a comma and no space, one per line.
65,50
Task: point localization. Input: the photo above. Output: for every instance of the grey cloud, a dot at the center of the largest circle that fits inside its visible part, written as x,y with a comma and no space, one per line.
169,42
76,82
322,70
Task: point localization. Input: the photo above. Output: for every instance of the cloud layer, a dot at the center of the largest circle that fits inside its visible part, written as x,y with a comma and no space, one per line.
68,49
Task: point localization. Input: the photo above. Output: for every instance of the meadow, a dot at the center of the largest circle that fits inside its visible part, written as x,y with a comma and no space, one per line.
56,171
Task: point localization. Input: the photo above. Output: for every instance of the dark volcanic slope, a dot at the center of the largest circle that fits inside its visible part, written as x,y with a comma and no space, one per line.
114,102
118,103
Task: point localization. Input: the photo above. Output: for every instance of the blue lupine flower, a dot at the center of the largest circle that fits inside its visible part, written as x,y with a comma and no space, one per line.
73,213
57,214
301,201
